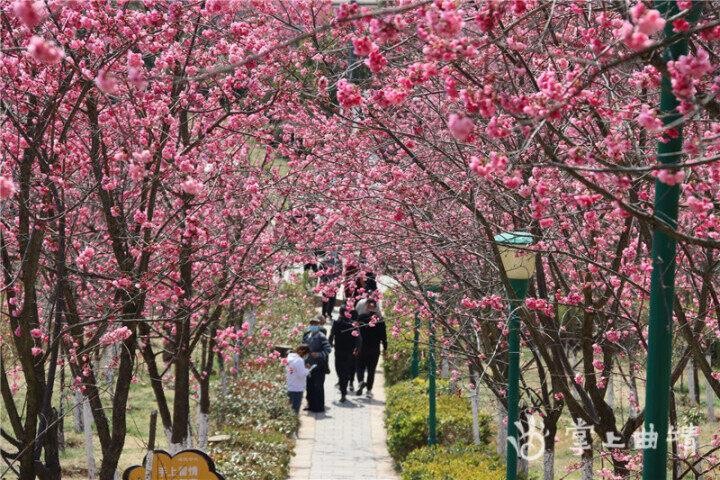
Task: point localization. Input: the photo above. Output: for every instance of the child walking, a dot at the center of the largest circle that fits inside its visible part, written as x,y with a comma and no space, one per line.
296,373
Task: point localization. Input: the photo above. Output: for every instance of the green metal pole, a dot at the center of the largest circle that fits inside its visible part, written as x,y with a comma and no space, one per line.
432,392
662,280
517,296
415,365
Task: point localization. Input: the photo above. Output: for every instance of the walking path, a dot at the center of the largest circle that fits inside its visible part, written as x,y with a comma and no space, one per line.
347,441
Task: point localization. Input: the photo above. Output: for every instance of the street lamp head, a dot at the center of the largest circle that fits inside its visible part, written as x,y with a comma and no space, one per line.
518,261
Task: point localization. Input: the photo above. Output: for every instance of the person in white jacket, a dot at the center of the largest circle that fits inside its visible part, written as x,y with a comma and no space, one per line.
296,372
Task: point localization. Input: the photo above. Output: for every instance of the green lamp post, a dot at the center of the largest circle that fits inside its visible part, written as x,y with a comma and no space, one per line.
662,279
519,266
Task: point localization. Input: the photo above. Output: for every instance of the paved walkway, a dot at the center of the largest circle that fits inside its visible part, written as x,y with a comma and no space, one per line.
347,441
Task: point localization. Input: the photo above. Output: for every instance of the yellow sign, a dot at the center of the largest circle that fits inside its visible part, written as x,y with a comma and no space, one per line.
186,465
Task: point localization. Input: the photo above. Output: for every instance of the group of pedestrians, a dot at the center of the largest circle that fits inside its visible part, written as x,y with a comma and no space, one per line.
358,335
358,339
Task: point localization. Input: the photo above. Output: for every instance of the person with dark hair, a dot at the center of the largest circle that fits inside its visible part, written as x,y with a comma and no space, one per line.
296,373
374,335
353,282
319,353
313,263
346,340
370,283
330,270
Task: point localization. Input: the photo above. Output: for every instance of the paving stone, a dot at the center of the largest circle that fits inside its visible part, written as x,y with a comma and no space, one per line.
347,442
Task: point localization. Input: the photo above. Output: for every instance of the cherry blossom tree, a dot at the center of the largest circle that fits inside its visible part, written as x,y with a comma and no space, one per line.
160,160
466,119
135,204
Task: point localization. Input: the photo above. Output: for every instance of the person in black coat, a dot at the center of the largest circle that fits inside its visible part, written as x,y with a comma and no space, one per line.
320,350
346,340
370,284
330,271
374,335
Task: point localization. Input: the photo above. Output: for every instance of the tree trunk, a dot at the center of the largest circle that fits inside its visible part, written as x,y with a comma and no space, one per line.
223,377
61,429
61,414
78,411
109,355
207,358
445,367
696,385
691,376
87,429
111,453
522,465
634,392
710,398
610,392
189,438
550,427
203,429
250,316
501,445
549,463
474,402
181,403
587,464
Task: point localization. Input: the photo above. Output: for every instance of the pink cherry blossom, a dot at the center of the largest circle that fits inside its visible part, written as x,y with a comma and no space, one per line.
699,205
116,336
670,177
461,127
363,46
445,23
348,94
612,335
7,188
376,61
43,51
106,82
647,118
30,12
681,25
650,22
191,186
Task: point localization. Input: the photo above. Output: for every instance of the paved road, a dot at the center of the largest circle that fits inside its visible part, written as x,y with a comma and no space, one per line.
347,442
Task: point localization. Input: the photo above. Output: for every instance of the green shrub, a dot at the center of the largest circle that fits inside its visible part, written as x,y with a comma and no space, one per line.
397,363
458,462
406,418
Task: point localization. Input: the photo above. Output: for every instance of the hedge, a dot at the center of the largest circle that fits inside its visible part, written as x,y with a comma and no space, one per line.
458,462
406,412
397,362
